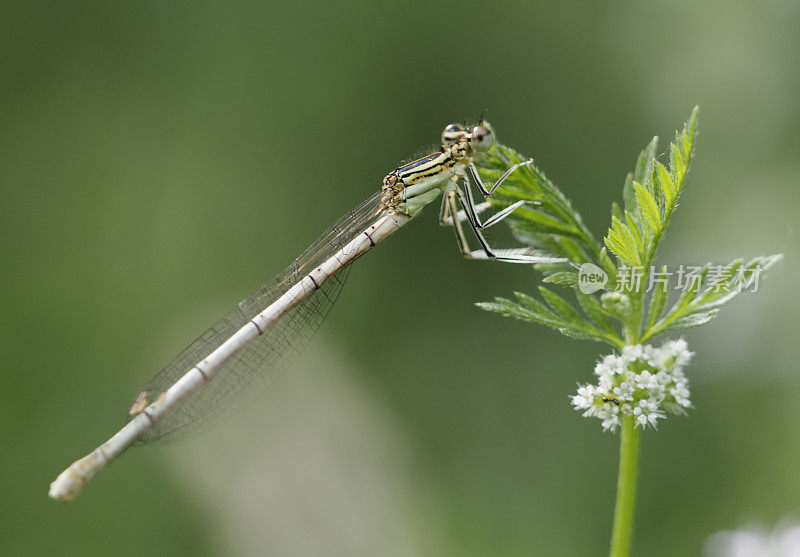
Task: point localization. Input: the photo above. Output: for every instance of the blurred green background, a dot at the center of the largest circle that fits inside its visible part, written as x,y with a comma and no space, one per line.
159,160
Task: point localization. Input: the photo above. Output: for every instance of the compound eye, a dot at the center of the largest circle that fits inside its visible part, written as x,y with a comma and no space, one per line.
482,138
452,133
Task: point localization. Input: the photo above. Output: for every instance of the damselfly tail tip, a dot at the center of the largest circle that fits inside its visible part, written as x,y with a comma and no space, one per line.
71,481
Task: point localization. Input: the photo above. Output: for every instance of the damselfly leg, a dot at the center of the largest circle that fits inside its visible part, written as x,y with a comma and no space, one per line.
470,213
489,191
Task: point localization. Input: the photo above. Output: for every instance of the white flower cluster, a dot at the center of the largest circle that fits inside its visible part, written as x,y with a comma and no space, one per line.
756,541
643,381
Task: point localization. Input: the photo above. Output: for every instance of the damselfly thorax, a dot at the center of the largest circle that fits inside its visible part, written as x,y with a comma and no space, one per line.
412,186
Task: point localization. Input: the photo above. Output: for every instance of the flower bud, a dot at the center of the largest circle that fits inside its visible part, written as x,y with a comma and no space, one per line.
617,304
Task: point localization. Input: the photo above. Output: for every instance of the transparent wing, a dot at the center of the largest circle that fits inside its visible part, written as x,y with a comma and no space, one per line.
262,360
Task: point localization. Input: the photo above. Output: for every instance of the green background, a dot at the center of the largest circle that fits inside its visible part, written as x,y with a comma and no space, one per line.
159,160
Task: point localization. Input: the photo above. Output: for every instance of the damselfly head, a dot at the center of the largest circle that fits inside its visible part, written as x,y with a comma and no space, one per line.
482,138
453,133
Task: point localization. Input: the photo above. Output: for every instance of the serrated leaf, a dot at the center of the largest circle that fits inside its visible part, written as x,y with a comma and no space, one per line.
651,193
537,307
636,232
723,298
680,152
732,281
628,197
691,289
648,207
658,300
510,309
666,184
645,161
547,242
677,163
688,134
576,255
563,278
768,261
717,284
552,268
640,174
692,320
706,293
536,221
622,242
555,216
658,194
608,266
560,306
616,212
594,310
581,334
528,178
501,305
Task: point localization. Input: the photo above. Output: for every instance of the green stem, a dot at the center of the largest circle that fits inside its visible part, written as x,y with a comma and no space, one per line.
622,534
630,329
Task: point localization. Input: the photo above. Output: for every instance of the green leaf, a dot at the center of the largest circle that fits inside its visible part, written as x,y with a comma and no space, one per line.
546,242
537,307
731,280
717,283
677,163
533,311
658,300
648,207
582,334
510,309
687,136
560,305
692,320
628,197
633,226
563,278
622,242
680,154
641,174
576,255
666,184
691,289
711,288
644,164
608,266
539,222
555,216
595,311
616,212
651,194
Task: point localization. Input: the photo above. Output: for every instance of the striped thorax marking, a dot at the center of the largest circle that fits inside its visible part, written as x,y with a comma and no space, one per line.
413,185
431,166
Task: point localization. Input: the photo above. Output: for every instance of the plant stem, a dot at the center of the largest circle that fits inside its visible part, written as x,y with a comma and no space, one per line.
622,533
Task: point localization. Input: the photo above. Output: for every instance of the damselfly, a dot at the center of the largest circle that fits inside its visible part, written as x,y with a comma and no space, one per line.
265,331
